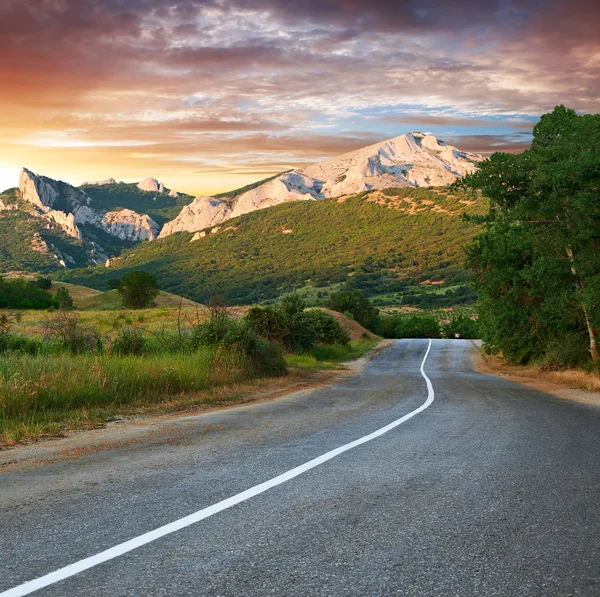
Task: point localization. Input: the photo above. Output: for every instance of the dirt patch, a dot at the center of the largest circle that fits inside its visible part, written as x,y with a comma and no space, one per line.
356,330
572,385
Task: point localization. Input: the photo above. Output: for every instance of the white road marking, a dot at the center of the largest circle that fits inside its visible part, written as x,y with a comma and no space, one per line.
123,548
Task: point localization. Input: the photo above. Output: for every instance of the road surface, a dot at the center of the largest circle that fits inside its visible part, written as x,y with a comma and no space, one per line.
482,487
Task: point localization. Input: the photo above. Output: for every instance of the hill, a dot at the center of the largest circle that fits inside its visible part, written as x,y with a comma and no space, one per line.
160,206
379,242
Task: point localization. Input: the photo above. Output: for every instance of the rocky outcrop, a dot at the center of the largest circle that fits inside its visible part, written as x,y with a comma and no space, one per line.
125,224
173,193
65,221
36,190
292,186
99,183
151,184
202,213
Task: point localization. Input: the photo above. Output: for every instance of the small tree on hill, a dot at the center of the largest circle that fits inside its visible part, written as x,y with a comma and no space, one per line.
65,301
138,289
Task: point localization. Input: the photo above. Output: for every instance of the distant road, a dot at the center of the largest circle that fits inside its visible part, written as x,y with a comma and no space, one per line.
417,476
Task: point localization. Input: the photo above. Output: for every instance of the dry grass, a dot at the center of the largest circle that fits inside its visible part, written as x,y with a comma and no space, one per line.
570,378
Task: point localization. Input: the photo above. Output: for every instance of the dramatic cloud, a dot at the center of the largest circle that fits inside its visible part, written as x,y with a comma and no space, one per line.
209,94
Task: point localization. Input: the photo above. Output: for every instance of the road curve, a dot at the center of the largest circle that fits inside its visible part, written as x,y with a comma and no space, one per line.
490,489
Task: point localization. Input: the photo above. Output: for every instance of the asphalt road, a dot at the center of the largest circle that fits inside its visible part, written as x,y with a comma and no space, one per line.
493,489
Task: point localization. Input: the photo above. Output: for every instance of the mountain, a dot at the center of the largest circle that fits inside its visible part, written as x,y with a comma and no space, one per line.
410,160
48,224
380,242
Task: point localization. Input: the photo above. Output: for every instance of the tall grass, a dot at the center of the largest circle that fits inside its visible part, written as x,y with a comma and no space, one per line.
44,394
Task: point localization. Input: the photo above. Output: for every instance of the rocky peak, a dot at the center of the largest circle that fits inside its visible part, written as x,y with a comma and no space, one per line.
99,183
36,190
151,184
202,213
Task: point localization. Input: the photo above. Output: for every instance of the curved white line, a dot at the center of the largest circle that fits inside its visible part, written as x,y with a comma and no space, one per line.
123,548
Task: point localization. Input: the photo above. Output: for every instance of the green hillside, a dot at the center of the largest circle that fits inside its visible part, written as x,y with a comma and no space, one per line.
33,244
379,242
159,206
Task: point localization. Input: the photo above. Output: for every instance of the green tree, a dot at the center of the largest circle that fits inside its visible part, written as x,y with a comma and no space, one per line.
44,283
356,304
537,264
138,289
65,301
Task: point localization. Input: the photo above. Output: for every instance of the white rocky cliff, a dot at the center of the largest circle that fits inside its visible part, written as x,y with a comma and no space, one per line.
35,190
125,224
410,160
42,195
203,212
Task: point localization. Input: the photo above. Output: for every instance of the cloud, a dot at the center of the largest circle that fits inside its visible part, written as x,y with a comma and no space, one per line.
223,80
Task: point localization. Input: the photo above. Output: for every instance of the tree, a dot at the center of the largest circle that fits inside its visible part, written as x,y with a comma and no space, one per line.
44,283
537,264
65,301
357,305
138,289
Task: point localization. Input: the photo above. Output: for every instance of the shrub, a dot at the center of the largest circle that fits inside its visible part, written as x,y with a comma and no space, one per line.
130,340
302,331
418,326
290,305
328,329
572,350
67,330
268,323
411,326
461,324
222,331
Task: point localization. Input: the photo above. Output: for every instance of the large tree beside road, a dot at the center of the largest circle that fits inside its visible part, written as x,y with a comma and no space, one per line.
537,262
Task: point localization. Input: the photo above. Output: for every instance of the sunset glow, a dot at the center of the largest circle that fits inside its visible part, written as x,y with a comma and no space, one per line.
211,95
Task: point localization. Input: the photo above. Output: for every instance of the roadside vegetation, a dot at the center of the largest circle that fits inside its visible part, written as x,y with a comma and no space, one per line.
536,262
65,369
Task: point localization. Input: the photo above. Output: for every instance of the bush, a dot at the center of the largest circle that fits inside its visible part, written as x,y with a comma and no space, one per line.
268,323
418,326
463,325
572,350
222,331
20,294
409,326
302,331
130,340
328,329
67,330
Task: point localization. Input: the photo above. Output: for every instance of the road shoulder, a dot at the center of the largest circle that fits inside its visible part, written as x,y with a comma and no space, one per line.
558,383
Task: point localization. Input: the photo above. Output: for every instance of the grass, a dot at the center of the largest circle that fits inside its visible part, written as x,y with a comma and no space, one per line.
323,356
571,378
49,394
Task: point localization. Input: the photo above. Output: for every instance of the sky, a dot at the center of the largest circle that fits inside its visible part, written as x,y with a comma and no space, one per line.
210,95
